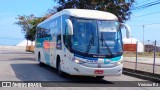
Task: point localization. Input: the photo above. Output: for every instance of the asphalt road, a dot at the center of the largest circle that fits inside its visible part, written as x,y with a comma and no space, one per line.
18,65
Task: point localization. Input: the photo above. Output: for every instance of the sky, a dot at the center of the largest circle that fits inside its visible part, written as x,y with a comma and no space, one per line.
10,34
10,9
149,19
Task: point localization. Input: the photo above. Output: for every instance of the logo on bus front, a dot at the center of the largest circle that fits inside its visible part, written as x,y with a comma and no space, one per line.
100,61
107,61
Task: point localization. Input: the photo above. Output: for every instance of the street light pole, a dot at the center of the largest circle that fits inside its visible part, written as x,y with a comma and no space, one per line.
148,46
143,38
131,39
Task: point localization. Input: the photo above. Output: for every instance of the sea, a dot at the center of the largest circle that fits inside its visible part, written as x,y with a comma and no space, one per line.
10,41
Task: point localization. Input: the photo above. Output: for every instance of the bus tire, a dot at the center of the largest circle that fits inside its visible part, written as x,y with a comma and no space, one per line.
39,60
99,77
60,72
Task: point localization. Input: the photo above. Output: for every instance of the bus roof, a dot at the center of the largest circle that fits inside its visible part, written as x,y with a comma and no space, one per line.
84,13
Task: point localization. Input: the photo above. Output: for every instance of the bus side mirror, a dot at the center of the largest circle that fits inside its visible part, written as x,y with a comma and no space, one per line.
128,30
69,26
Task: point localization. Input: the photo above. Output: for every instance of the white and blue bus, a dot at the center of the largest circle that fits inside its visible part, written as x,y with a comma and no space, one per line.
81,42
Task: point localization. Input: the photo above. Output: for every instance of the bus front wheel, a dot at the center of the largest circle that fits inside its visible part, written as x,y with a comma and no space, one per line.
99,77
39,60
60,72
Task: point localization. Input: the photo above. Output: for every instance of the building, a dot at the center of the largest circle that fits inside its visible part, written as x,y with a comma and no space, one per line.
150,48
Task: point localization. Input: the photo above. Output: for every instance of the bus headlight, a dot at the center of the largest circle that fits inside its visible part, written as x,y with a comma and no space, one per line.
119,62
78,61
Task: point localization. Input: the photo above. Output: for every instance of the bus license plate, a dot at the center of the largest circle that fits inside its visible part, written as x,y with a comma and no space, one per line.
92,61
98,72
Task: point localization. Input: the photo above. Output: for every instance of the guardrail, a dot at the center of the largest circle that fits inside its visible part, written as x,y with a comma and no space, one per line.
27,48
148,61
12,47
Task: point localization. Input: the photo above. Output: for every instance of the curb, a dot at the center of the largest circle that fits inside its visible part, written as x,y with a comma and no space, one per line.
142,75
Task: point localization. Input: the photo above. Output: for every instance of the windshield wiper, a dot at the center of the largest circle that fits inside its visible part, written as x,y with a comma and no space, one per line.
109,50
90,43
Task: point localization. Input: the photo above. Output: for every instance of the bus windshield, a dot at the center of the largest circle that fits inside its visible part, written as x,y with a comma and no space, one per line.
96,37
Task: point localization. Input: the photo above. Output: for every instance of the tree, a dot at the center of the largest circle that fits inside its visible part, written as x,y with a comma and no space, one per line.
29,24
121,8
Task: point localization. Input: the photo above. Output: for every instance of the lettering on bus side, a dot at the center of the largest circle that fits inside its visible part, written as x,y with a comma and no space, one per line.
49,45
54,24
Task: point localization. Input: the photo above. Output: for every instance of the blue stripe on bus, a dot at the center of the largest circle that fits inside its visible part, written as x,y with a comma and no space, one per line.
116,58
112,59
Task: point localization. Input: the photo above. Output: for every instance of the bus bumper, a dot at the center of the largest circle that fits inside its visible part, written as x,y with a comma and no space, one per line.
78,69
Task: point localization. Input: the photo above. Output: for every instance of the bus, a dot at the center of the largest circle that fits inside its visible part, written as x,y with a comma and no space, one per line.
81,42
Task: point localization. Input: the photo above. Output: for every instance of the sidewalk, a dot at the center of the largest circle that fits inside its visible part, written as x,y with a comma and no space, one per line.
141,67
144,67
145,60
143,64
12,47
